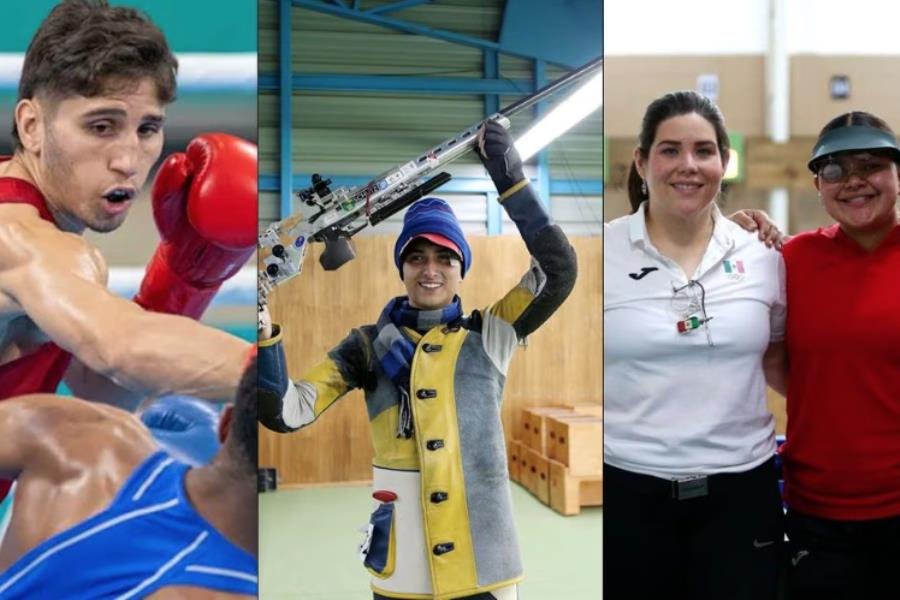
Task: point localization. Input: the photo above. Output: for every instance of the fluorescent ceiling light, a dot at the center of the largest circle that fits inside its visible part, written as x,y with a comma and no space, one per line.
582,102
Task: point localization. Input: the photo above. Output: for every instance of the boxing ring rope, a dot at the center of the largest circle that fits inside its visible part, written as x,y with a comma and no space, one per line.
240,290
197,71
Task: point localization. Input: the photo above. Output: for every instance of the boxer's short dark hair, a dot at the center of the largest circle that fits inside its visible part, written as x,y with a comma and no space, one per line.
244,432
88,48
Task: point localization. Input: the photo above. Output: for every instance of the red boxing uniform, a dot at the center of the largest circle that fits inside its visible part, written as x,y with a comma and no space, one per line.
39,371
842,456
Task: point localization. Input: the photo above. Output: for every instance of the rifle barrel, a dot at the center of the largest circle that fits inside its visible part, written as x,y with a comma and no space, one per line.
551,88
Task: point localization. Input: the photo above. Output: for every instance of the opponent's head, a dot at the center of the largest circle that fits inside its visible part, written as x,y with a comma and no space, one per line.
432,254
855,164
682,153
237,427
92,96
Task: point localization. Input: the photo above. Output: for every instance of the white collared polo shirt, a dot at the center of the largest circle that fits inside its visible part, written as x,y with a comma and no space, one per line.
693,402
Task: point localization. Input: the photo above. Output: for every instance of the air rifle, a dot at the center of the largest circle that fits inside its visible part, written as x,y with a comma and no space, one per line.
337,215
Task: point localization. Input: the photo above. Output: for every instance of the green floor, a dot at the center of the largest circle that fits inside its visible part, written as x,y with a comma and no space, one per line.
308,540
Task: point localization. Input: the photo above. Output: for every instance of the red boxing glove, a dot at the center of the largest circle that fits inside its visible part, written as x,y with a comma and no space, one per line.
205,207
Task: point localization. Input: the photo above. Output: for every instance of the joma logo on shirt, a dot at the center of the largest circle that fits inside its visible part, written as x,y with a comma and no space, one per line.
643,273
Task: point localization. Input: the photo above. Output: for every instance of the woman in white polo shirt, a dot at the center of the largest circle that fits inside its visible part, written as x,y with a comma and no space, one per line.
692,304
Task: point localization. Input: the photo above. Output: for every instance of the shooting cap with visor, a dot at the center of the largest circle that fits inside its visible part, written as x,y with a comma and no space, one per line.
432,219
853,138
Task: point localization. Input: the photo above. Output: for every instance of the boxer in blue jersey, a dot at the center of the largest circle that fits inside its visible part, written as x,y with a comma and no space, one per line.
101,512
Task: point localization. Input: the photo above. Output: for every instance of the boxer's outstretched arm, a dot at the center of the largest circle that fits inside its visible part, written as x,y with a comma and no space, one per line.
86,383
58,279
204,205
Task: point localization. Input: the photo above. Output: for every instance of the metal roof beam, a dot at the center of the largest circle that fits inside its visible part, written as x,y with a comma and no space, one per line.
491,70
543,163
386,8
285,117
399,83
399,25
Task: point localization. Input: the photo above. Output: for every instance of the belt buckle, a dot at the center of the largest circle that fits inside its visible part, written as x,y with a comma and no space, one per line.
686,488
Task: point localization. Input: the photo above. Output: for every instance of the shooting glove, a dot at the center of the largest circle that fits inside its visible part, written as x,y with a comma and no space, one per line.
499,156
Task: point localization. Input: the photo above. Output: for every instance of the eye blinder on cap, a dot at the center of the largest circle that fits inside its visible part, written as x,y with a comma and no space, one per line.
853,138
838,168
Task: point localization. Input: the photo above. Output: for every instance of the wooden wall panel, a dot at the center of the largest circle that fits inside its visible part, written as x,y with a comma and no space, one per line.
562,362
874,87
778,407
630,83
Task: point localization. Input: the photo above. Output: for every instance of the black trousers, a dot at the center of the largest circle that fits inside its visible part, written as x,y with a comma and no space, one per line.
843,560
724,545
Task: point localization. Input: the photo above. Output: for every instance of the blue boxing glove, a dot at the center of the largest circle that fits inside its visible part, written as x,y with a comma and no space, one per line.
185,427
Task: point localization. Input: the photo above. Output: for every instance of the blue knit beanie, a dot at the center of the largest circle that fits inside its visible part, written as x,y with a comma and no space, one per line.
432,216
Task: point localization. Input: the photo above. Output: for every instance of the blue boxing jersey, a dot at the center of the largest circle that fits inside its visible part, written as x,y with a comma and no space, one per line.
148,538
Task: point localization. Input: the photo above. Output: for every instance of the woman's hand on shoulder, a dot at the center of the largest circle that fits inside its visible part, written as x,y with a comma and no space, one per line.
760,222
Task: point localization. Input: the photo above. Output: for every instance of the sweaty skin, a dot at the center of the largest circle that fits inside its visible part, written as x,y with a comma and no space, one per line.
52,287
70,458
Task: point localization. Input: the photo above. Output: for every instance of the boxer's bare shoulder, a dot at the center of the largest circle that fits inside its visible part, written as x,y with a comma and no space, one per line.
33,250
69,457
54,430
32,247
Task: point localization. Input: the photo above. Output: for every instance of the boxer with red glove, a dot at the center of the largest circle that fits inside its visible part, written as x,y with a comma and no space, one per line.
84,145
205,207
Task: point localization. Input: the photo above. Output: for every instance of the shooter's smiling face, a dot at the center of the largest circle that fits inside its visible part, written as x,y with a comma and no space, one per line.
432,274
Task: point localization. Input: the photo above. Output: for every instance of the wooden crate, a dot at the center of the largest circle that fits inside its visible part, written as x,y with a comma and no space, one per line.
538,477
513,454
595,410
568,493
526,475
577,442
534,428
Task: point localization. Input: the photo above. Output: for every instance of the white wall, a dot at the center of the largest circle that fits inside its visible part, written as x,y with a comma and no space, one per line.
652,27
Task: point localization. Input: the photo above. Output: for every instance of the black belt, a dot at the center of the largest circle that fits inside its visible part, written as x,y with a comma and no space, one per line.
686,488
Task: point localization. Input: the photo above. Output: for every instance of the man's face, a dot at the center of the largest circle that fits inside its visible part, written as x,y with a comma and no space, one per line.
431,274
95,154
